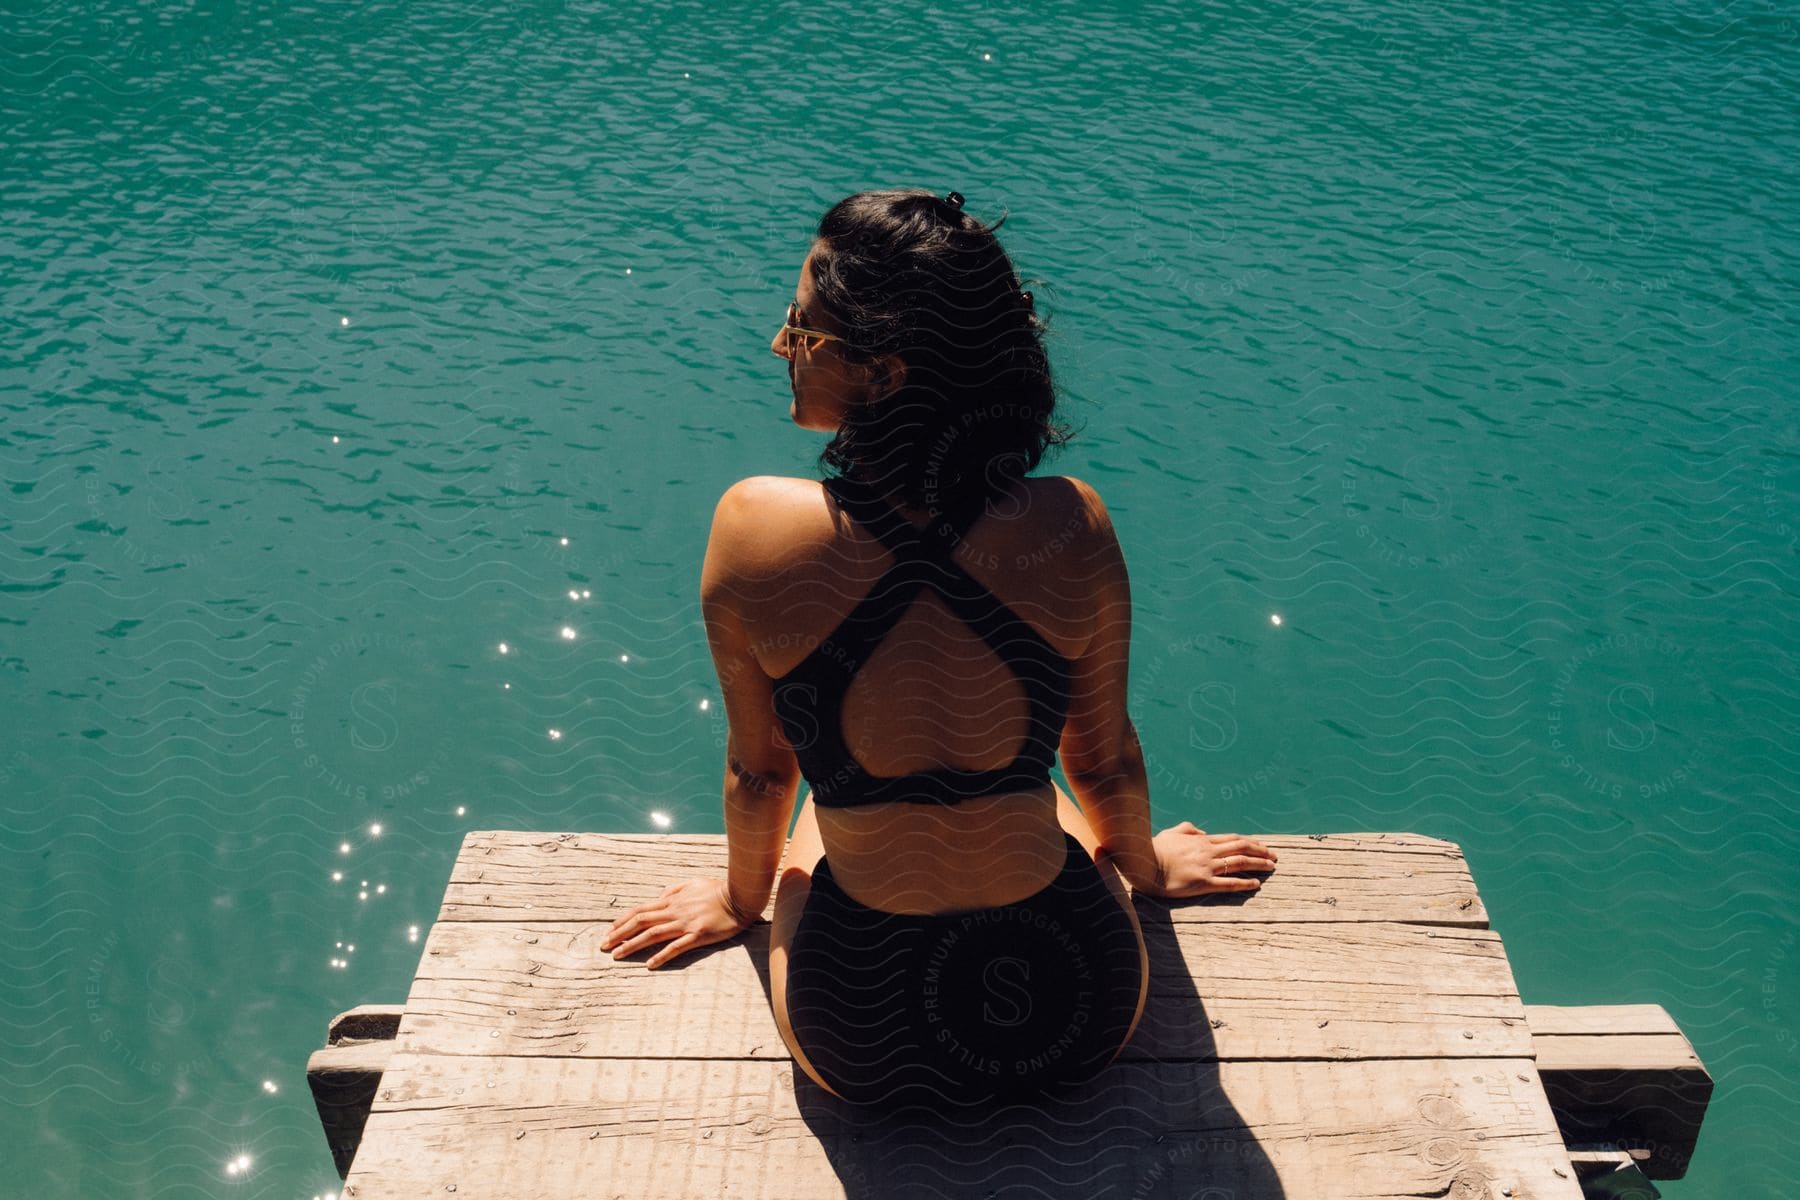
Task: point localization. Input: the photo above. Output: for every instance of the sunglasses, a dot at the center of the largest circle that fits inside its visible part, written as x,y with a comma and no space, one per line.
793,330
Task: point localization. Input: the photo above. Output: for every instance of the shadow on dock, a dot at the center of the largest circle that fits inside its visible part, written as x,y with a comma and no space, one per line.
1144,1128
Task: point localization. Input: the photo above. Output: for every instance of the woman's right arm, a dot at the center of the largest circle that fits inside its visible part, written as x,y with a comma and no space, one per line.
1100,751
1104,761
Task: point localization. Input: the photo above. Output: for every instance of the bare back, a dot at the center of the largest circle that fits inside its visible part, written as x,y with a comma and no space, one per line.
933,694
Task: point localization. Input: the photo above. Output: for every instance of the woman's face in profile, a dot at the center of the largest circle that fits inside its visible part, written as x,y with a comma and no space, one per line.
824,385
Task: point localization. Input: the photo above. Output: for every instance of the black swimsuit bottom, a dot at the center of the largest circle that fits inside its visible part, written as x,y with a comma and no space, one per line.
964,1008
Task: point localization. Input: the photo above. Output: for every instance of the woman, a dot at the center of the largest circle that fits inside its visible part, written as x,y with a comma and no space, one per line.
918,637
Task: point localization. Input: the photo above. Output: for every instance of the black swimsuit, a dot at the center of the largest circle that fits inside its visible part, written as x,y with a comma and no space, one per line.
951,1008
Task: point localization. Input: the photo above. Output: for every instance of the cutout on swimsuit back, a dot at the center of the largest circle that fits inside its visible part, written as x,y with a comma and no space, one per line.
809,699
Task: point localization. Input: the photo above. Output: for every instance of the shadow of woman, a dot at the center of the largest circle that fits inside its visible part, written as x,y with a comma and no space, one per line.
1154,1125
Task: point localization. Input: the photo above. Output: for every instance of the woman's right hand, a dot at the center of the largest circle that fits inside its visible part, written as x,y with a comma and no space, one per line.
1192,862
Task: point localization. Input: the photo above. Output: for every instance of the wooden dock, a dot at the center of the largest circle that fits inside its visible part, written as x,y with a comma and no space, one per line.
1350,1030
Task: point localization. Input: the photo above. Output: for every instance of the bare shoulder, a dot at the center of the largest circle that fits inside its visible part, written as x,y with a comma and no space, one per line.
1073,510
760,519
759,492
1084,498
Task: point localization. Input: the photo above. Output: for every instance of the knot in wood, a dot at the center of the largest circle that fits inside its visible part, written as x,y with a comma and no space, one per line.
1438,1109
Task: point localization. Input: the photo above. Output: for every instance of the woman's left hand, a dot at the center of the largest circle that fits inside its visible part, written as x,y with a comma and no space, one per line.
687,915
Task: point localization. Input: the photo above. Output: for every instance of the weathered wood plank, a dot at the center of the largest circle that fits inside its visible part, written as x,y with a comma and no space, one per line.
545,1129
1617,1055
1555,1020
503,876
1355,990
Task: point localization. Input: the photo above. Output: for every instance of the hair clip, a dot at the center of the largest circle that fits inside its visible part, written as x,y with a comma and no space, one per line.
954,200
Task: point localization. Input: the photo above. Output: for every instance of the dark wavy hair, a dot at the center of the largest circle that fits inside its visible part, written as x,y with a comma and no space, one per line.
905,272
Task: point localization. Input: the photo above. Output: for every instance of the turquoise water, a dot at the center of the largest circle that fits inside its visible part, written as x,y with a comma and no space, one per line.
344,345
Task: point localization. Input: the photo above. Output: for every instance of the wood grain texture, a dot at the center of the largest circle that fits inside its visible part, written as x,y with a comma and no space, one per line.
501,876
550,1128
1605,1019
1632,1052
1305,990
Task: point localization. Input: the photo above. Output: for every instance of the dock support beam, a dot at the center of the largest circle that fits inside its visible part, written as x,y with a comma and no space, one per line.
1624,1076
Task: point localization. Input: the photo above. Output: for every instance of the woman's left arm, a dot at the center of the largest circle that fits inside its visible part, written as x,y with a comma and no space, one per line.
762,776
